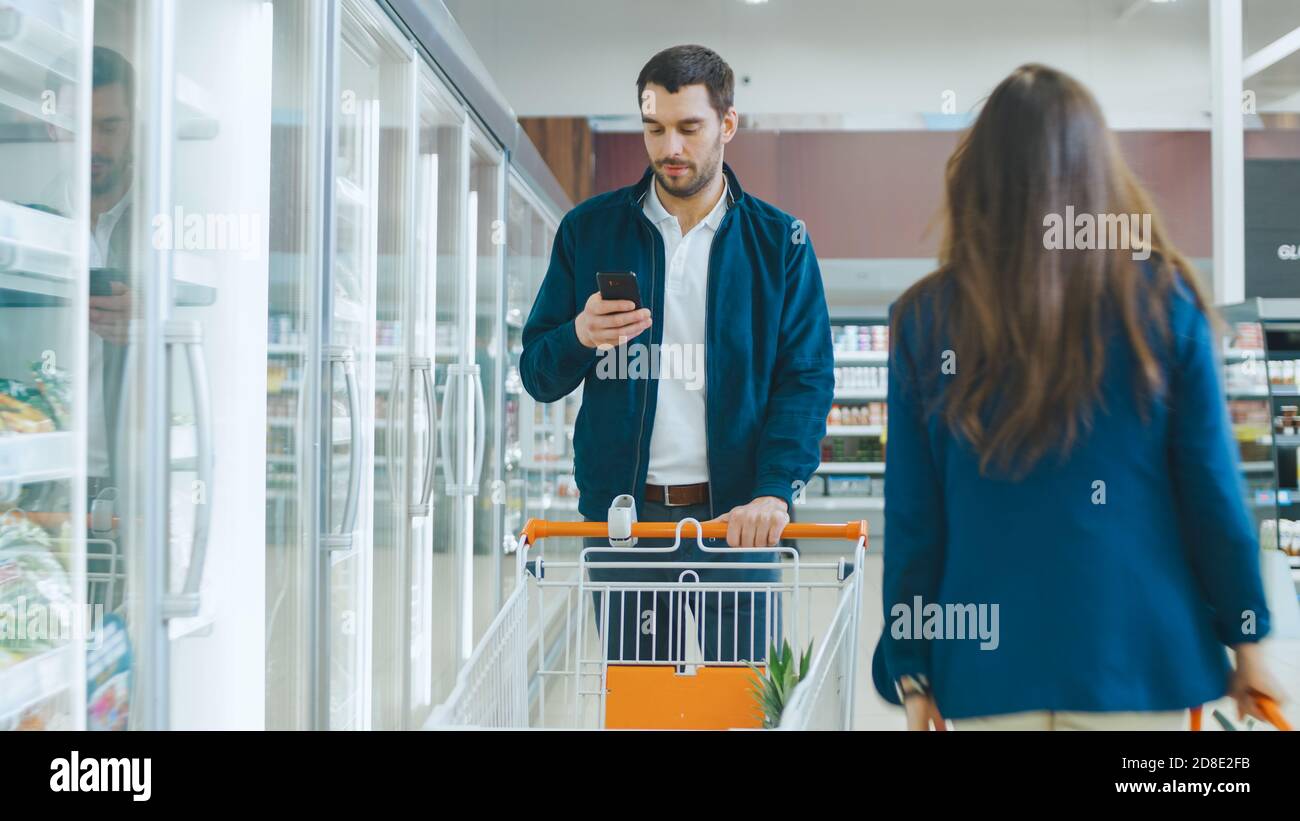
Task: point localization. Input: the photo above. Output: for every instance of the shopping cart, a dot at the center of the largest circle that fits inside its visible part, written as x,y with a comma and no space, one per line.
559,654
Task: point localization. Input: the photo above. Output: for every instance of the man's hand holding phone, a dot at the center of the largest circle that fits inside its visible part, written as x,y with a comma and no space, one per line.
110,315
605,323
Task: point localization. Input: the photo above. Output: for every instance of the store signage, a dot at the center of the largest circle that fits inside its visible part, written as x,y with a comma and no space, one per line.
1288,252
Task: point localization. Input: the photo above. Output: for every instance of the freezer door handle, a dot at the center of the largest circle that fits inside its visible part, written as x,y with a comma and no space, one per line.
391,416
468,486
189,335
425,366
480,430
450,390
342,538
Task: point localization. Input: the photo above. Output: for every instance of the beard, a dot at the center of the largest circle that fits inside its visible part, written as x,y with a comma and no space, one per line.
110,178
692,184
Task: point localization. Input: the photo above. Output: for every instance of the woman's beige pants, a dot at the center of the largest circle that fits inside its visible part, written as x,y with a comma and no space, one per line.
1046,720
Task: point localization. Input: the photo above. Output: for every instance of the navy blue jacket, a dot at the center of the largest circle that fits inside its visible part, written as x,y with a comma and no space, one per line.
1112,597
769,361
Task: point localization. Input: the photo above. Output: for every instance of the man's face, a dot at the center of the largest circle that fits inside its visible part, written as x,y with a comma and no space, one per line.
684,137
110,140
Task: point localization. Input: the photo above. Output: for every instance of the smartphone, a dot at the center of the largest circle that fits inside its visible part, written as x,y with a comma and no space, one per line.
619,285
102,279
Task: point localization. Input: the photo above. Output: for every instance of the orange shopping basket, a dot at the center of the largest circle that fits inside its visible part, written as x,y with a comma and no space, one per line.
629,634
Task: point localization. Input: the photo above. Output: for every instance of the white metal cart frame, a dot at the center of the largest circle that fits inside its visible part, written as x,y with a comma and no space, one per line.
540,648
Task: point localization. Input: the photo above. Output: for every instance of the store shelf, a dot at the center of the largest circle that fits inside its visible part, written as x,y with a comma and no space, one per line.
832,468
855,430
1243,354
351,193
861,393
37,255
26,107
1286,390
194,278
560,465
33,45
862,357
557,503
37,457
848,503
1248,393
1257,467
1268,503
285,349
37,678
194,111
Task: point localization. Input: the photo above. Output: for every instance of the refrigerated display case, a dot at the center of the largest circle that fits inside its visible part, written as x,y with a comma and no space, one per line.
45,224
294,422
146,240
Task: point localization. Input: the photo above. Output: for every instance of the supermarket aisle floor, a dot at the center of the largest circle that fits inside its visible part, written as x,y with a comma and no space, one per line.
874,713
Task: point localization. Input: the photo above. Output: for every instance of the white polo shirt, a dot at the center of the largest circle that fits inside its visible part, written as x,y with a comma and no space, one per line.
678,454
101,235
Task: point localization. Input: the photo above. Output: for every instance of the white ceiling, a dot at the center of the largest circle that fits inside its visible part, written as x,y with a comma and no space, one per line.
868,61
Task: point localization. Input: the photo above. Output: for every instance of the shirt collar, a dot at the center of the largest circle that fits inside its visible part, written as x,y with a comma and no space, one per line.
657,213
115,213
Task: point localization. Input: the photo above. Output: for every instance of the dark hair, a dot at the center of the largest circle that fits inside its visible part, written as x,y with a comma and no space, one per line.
680,66
107,67
1030,323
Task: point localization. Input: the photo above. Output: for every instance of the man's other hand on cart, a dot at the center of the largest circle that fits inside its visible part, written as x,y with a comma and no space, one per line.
757,524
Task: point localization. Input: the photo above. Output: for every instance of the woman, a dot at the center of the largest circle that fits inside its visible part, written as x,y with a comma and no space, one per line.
1062,484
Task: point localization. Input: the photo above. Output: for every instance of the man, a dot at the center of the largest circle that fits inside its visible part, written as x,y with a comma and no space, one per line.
726,280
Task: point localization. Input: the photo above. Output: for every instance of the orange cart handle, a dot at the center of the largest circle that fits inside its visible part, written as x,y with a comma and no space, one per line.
538,529
1266,705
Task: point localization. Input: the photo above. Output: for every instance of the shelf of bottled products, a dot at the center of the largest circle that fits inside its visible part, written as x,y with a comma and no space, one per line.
850,479
1261,361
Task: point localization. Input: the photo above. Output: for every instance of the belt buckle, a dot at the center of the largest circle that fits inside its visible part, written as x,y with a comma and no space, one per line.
668,499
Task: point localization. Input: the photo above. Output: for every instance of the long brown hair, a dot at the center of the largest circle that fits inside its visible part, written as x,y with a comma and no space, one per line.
1028,323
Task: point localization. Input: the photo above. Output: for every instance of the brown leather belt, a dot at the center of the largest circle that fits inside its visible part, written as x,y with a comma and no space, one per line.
678,495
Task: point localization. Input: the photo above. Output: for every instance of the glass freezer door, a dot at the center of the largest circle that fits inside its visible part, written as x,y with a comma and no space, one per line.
400,364
487,192
294,409
366,462
441,242
210,234
49,602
